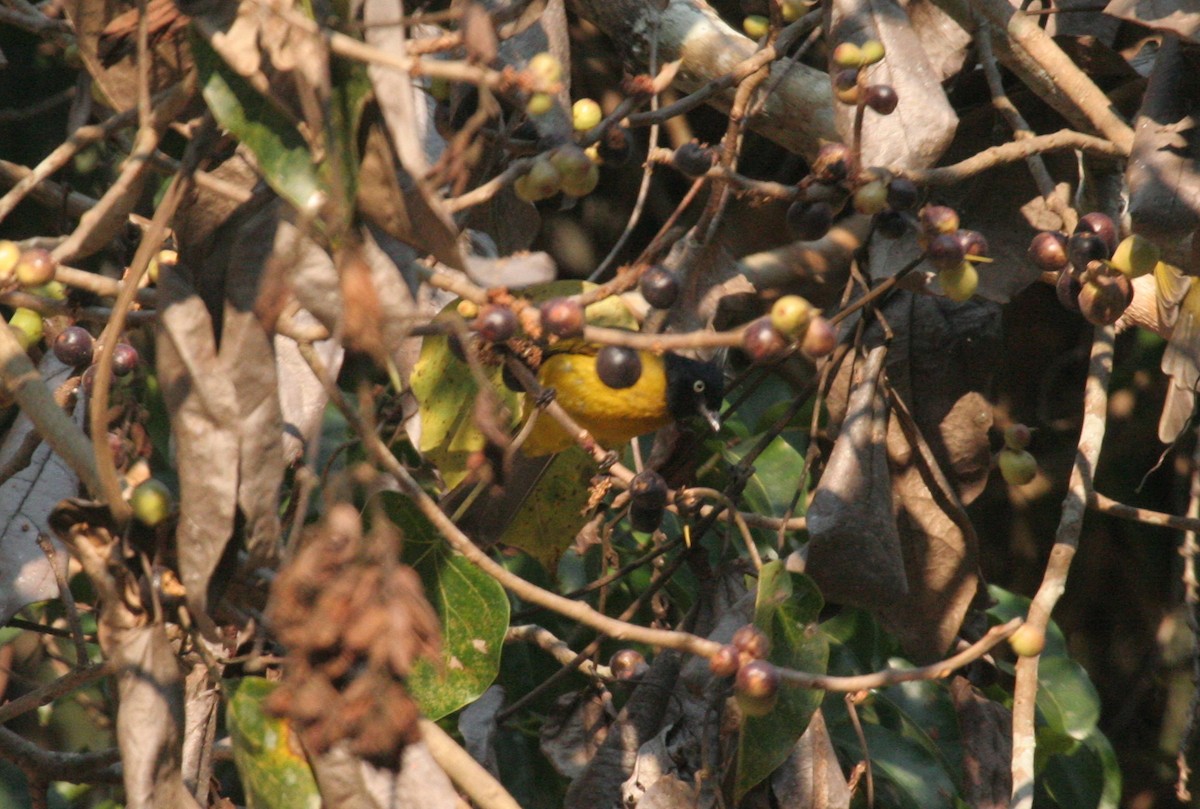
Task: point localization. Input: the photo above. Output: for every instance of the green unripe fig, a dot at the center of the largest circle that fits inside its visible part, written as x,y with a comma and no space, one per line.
151,502
847,55
27,325
959,283
872,51
1017,466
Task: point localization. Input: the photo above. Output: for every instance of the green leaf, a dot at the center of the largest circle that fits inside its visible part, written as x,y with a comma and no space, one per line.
924,713
1088,777
552,514
1066,698
281,152
274,771
776,478
786,609
907,776
473,608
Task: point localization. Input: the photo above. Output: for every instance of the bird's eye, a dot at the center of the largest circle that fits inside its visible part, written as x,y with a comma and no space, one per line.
698,386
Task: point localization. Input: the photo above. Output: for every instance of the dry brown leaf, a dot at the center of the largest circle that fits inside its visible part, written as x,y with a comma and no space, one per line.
917,133
574,730
986,728
27,499
1180,17
1162,172
113,66
812,776
854,546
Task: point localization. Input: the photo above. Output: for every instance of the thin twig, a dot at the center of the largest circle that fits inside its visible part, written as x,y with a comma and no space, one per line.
72,681
556,647
467,773
1095,408
64,592
1009,152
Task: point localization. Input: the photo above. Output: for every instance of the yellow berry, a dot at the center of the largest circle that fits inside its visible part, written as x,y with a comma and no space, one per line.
791,315
756,26
791,10
872,51
847,55
546,67
10,254
539,104
27,325
585,114
1027,641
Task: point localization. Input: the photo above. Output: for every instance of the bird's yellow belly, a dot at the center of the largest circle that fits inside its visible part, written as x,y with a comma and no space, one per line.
613,416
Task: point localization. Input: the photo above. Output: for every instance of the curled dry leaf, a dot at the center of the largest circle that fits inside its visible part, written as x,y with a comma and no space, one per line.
353,622
38,479
854,546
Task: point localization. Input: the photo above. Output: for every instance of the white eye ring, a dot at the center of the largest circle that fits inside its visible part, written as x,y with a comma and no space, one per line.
698,386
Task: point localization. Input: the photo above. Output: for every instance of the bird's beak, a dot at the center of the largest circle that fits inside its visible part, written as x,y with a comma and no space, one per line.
712,417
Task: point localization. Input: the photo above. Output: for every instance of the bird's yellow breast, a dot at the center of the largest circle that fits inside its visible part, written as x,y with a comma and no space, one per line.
613,416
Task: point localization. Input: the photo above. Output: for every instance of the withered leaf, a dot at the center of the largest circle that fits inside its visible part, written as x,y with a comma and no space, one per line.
1176,16
26,500
1162,172
812,776
574,730
854,546
922,126
986,728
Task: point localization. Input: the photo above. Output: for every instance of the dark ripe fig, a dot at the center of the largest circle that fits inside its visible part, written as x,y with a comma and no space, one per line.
618,367
1084,247
762,342
945,251
616,145
124,360
646,520
757,687
495,323
1048,251
725,661
890,224
832,164
902,194
88,380
845,86
1067,290
693,159
660,287
882,98
648,490
74,346
809,221
751,642
1104,299
562,317
973,243
627,664
1102,225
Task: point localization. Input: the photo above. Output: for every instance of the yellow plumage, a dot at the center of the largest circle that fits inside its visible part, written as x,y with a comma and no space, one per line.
612,415
1178,298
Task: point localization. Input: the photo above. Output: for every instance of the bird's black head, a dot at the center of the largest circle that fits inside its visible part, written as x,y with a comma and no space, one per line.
694,388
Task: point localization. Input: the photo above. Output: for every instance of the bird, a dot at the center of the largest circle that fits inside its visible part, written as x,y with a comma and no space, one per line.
1178,300
669,387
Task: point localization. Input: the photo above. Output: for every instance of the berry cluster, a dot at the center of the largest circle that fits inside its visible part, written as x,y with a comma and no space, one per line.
951,250
756,681
793,321
1094,269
